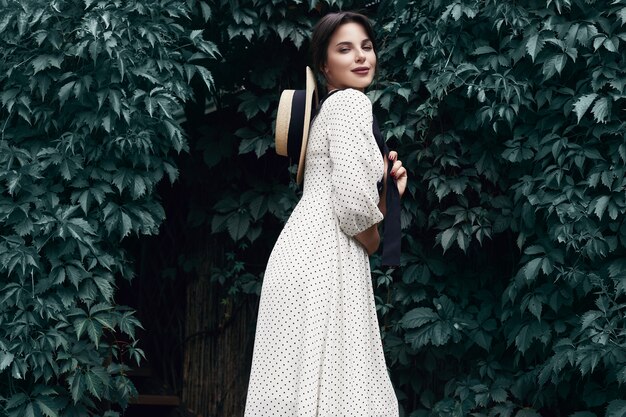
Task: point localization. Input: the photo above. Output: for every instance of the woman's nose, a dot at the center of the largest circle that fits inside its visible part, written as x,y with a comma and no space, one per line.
360,55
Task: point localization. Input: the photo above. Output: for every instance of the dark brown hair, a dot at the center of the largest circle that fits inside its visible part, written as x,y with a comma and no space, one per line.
324,29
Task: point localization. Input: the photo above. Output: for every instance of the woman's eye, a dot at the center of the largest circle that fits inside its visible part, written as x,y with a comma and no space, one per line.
368,48
344,50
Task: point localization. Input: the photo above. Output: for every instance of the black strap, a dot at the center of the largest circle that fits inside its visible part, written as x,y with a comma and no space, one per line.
294,144
392,234
319,106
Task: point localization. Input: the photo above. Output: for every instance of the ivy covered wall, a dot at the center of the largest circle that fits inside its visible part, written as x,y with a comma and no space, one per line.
509,117
511,301
90,93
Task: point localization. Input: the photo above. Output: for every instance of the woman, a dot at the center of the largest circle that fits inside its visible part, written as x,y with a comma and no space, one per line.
317,349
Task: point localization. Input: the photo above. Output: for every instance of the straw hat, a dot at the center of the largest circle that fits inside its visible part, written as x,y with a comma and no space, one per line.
293,118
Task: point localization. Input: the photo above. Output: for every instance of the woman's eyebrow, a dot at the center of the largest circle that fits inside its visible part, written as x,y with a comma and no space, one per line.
350,43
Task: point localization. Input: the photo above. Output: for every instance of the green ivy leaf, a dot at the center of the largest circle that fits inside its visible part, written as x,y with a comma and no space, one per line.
534,45
6,358
49,406
601,110
238,225
259,145
600,205
77,386
206,77
589,317
258,207
64,92
418,317
582,104
616,408
531,269
447,238
206,11
43,62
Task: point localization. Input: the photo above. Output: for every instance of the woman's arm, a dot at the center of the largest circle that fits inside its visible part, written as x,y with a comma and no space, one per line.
354,160
369,238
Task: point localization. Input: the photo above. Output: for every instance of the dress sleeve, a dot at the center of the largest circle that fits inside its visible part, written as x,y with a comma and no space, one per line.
356,161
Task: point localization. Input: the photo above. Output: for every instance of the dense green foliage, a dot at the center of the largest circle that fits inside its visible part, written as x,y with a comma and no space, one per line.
509,117
90,93
520,167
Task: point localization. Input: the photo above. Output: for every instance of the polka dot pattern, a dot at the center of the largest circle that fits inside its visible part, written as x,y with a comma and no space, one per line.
317,348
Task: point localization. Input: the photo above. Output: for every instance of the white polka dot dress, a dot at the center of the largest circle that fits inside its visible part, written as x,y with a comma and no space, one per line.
317,347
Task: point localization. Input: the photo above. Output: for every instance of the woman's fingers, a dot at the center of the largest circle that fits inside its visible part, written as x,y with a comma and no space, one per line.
401,178
394,169
400,172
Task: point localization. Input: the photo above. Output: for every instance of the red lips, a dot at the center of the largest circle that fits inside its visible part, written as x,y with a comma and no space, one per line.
361,70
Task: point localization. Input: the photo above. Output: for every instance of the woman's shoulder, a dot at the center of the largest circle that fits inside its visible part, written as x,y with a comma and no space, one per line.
349,97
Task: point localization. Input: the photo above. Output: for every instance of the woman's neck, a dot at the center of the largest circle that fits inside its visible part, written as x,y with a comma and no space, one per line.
330,88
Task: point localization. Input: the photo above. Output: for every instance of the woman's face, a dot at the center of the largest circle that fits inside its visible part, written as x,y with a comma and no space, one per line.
350,58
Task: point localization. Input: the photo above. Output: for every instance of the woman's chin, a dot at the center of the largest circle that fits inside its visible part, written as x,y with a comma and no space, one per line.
359,85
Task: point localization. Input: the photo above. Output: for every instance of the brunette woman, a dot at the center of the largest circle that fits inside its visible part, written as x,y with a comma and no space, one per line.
317,348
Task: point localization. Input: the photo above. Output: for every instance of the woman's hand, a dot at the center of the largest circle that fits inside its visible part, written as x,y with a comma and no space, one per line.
398,172
369,239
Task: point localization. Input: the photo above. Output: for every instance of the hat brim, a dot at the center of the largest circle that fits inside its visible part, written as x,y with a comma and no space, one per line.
311,89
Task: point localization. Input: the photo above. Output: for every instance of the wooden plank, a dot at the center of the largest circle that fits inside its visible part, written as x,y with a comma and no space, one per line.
218,349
